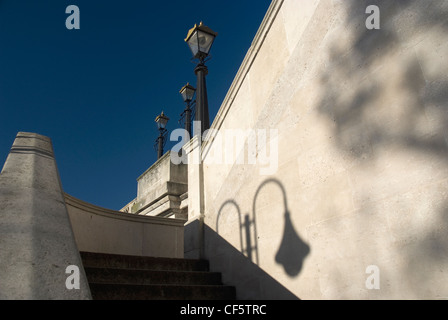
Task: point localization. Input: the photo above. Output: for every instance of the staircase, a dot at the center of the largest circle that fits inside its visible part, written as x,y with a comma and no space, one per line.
122,277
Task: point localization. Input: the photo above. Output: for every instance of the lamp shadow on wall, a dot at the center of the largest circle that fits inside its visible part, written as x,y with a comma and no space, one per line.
244,263
293,250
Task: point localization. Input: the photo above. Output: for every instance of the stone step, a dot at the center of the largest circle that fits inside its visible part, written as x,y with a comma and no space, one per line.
153,277
124,277
161,292
105,260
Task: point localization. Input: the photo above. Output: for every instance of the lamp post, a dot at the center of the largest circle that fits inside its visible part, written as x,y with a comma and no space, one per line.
187,93
161,121
200,39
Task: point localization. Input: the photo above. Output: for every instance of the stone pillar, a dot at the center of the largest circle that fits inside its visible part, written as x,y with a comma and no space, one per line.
194,228
160,189
36,239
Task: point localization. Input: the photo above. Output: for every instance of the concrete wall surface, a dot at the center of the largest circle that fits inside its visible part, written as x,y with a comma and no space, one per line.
102,230
355,202
36,240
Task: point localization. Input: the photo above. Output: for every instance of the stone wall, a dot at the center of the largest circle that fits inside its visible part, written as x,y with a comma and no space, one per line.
360,118
102,230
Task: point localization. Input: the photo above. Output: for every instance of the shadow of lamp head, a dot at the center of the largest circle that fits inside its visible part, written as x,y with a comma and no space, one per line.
292,250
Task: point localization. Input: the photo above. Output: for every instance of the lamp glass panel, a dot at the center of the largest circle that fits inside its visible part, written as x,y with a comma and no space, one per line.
162,123
193,43
205,41
184,95
189,93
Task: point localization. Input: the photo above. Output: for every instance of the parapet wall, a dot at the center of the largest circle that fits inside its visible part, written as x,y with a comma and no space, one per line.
361,179
106,231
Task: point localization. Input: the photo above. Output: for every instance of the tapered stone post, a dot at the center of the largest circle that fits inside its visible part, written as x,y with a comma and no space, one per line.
36,239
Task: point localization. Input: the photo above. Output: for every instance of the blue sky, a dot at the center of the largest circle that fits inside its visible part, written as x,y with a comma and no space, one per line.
96,91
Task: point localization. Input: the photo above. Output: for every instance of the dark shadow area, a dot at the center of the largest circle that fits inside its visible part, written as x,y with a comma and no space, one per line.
292,250
251,282
238,265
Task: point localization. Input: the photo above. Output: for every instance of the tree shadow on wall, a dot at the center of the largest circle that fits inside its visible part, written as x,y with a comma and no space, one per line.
355,80
241,267
404,61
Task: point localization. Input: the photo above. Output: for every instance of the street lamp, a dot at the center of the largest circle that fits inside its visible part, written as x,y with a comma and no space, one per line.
187,93
200,40
161,121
